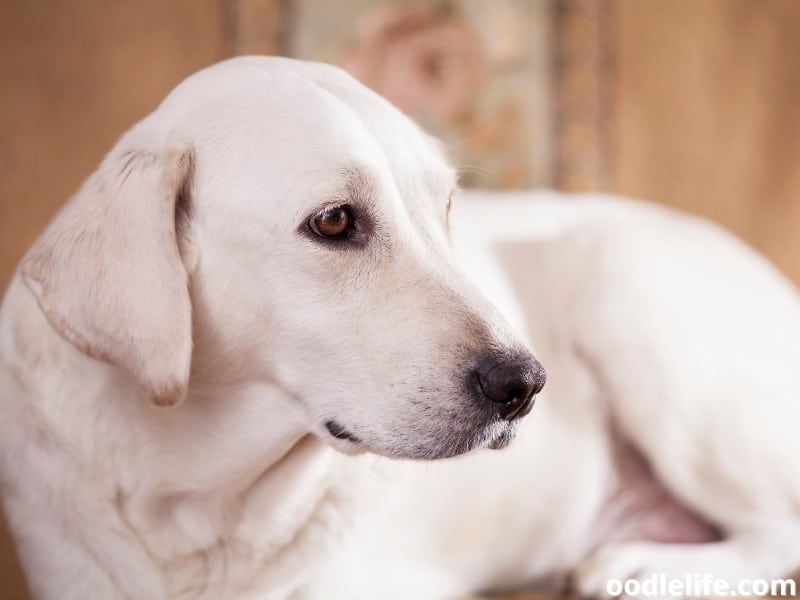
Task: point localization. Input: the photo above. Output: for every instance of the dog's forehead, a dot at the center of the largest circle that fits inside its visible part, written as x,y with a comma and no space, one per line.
298,117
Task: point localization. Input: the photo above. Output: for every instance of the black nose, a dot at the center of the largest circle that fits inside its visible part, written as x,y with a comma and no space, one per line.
510,383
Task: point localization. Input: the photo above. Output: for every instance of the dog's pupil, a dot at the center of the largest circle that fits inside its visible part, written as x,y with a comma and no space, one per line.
333,222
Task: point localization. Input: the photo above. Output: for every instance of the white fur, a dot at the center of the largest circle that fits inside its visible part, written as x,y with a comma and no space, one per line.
657,326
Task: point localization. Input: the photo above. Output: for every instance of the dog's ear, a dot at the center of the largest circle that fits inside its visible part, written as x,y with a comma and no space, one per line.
111,273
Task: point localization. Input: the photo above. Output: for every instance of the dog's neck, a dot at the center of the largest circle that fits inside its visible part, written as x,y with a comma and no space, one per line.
240,491
233,464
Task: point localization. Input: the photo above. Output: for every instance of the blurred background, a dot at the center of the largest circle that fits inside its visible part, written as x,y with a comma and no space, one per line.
690,103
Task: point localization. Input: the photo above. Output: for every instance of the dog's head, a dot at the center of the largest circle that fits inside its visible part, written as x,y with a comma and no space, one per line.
291,226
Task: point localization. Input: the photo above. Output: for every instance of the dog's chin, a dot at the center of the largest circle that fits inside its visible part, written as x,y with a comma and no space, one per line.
495,435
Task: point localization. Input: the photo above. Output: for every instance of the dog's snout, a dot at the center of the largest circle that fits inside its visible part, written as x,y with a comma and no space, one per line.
510,383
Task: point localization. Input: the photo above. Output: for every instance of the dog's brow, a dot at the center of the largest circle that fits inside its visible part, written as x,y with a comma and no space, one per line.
359,185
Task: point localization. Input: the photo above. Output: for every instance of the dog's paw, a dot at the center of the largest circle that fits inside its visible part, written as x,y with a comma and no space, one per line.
598,576
630,570
662,571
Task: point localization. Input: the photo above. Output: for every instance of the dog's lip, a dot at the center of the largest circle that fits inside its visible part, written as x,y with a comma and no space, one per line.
503,435
340,433
497,444
502,440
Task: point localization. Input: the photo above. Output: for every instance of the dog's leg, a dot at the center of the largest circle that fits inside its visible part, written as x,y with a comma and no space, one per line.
60,567
726,457
77,554
694,343
741,559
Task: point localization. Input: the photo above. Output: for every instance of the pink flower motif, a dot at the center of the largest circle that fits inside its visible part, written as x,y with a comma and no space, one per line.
429,63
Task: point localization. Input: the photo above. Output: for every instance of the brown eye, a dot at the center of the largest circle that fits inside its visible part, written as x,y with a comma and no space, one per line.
332,223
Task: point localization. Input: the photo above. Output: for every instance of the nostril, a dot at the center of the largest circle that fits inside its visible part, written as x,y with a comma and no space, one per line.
518,394
510,384
498,389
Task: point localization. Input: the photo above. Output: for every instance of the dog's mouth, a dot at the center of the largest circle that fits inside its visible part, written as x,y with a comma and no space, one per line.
503,439
340,433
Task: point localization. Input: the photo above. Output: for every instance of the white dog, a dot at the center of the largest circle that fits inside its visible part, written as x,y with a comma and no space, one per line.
258,280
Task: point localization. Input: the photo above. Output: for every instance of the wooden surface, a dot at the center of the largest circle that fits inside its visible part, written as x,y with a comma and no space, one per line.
74,76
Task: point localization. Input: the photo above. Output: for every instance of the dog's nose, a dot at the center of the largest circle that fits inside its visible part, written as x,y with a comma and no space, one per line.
510,383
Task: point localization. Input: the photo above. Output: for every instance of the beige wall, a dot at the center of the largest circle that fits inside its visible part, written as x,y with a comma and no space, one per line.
75,75
704,103
706,113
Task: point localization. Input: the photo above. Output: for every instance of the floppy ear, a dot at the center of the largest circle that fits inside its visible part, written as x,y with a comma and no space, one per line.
109,272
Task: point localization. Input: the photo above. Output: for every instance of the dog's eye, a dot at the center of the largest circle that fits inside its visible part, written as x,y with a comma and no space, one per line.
332,223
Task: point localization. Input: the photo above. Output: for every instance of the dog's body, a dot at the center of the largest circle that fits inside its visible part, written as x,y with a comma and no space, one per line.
669,416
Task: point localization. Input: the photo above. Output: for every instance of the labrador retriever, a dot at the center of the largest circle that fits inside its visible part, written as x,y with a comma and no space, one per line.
258,281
